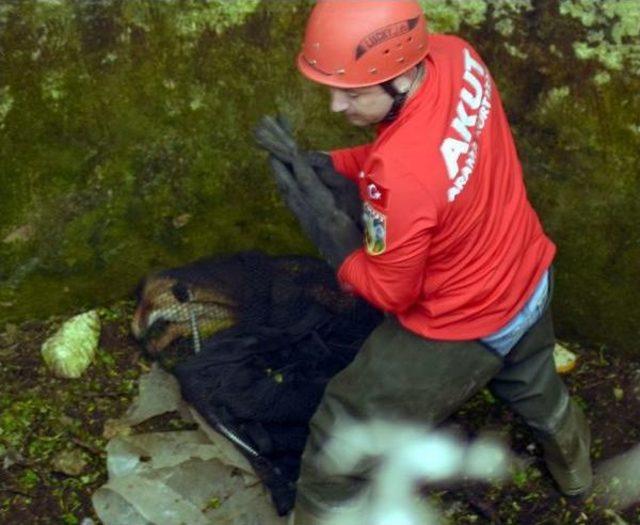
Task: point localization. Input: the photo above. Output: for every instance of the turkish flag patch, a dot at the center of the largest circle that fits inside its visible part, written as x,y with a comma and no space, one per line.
375,194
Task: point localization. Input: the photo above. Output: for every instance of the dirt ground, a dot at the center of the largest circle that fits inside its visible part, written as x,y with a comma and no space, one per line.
52,443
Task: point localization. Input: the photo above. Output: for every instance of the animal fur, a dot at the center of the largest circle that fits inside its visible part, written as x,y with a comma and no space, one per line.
161,318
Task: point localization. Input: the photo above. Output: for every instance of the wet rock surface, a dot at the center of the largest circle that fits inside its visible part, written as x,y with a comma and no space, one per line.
127,146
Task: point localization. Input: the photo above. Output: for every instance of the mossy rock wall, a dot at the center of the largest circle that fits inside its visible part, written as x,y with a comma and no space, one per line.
125,141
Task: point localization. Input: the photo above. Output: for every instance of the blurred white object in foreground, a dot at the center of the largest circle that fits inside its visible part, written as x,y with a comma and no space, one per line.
617,480
408,456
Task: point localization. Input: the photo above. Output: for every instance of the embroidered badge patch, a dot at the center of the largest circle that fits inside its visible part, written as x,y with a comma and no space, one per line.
375,230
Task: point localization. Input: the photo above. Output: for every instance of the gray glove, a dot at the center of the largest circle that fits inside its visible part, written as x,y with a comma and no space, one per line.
274,134
333,232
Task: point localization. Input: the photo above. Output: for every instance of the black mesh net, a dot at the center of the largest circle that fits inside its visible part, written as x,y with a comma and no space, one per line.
253,341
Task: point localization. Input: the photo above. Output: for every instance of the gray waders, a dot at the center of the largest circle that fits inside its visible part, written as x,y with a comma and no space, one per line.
398,375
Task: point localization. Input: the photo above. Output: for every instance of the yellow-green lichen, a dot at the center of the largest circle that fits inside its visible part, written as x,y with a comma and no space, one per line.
5,9
554,97
191,17
506,12
131,149
613,36
448,15
514,51
53,86
601,78
195,16
505,26
6,103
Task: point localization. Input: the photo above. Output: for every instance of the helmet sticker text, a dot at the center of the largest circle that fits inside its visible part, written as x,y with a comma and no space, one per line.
383,34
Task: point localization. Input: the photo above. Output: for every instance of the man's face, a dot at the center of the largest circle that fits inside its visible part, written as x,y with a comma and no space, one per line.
361,106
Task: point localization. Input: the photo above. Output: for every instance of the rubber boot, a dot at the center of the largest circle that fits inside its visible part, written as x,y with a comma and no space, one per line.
396,375
566,453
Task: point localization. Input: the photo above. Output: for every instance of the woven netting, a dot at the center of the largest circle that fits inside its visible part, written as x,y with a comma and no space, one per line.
288,328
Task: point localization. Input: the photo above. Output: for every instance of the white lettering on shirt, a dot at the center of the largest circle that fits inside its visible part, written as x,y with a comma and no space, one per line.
463,122
460,146
451,149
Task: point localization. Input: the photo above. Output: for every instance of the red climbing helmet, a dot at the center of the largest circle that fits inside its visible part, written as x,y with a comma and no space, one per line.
358,43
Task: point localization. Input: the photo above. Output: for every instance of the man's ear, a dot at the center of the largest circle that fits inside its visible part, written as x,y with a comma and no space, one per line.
402,83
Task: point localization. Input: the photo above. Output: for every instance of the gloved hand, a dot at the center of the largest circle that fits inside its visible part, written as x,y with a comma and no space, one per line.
344,191
333,232
275,135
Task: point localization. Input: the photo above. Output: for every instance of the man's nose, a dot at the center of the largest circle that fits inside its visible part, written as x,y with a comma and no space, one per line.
339,100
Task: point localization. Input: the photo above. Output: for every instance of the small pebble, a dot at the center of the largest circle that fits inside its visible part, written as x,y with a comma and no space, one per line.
618,393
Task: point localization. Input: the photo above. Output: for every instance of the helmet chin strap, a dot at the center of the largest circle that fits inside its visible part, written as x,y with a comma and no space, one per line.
399,97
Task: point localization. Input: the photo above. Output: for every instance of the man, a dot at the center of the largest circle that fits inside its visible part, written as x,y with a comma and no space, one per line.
452,251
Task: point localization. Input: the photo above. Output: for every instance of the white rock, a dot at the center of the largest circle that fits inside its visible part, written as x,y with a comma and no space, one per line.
72,348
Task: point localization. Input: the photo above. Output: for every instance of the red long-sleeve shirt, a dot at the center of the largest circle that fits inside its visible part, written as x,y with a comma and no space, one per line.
454,248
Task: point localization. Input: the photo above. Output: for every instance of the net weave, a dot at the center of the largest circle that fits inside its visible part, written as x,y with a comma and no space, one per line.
282,329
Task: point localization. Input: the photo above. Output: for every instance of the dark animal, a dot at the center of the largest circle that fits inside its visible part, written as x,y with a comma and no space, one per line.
269,333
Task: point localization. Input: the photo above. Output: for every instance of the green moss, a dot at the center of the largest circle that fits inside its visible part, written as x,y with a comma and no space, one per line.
29,480
126,141
448,15
212,14
6,103
16,420
141,122
592,212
